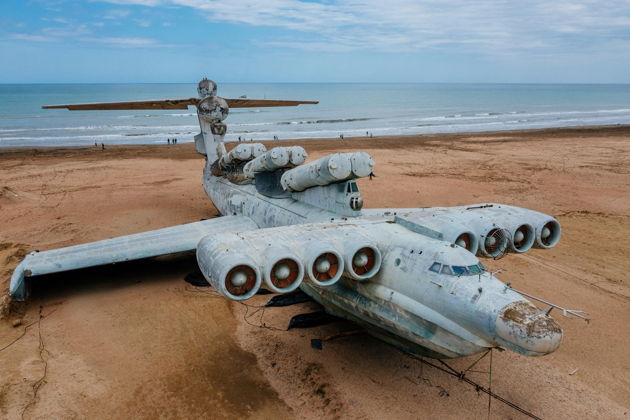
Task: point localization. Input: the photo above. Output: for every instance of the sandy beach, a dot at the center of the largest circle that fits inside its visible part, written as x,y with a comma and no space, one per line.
136,340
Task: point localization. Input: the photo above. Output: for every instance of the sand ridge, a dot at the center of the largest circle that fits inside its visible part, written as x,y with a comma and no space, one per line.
134,339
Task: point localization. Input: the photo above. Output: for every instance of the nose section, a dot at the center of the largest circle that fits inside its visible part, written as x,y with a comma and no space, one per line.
528,329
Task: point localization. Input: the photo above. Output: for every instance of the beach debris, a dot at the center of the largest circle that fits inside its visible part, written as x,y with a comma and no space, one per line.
312,319
317,343
288,299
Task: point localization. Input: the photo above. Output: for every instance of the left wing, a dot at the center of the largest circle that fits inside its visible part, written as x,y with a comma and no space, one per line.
124,248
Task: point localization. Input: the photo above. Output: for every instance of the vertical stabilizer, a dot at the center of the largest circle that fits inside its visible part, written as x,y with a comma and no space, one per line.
211,112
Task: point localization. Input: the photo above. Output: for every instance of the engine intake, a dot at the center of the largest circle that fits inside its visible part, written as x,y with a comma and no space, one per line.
362,259
468,241
240,280
324,265
523,238
283,272
548,234
232,274
494,243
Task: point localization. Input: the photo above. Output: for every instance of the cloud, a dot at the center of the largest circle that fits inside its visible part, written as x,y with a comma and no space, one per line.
31,37
142,23
117,14
488,25
149,3
53,33
56,20
67,31
81,33
123,42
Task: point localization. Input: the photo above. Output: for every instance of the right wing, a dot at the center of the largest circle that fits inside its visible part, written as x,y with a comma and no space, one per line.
164,241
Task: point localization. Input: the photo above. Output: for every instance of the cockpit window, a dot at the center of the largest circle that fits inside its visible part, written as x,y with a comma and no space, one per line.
354,187
435,267
474,269
459,270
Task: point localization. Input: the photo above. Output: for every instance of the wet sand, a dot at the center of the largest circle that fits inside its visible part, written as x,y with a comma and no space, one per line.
136,340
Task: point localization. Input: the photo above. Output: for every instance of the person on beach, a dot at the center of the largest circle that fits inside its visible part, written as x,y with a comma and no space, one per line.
371,175
102,146
168,141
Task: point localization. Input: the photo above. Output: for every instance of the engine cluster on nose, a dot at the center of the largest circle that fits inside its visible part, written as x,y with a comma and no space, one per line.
490,230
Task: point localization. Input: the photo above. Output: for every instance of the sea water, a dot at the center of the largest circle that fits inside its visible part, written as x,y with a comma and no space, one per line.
344,109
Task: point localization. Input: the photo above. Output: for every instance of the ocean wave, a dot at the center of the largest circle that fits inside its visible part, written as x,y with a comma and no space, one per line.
340,120
103,127
188,114
99,137
557,115
305,127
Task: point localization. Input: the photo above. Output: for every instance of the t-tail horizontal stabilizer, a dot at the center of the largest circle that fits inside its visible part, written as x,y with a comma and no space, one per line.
175,104
164,241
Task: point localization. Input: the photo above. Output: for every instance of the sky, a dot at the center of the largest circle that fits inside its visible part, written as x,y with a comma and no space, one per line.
485,41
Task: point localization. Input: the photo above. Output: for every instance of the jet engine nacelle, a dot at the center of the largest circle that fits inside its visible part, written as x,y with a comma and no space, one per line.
548,230
362,258
283,271
237,265
232,273
324,264
498,228
526,228
493,240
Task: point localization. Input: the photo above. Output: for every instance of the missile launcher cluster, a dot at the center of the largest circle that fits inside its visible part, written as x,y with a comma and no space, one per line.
330,169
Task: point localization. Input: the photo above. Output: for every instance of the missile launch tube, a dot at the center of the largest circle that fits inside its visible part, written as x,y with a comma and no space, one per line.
327,170
242,153
297,155
276,158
